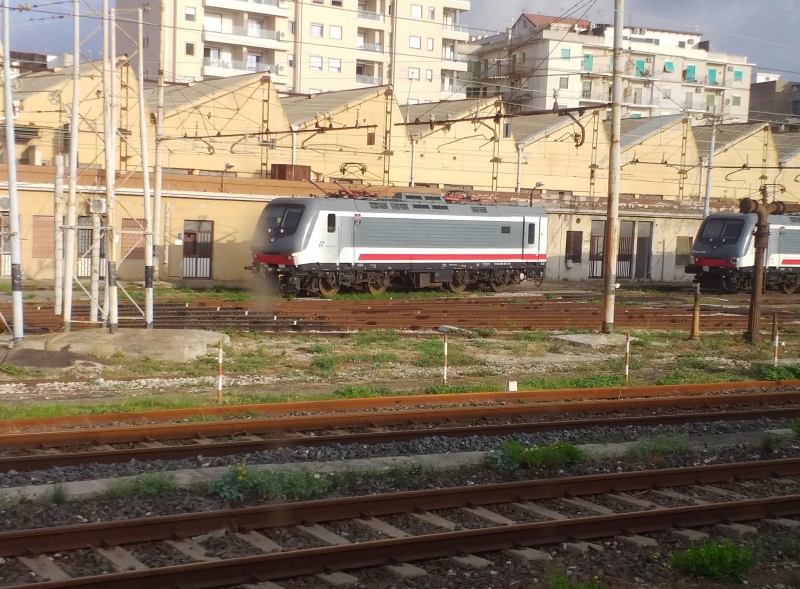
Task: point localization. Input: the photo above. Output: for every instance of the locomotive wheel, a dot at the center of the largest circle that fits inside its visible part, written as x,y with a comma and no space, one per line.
378,285
459,283
790,285
538,278
497,284
327,287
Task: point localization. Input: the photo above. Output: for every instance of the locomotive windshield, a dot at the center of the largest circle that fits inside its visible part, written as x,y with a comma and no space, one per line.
721,230
284,219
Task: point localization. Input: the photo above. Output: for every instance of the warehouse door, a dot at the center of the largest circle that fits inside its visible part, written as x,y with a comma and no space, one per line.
596,249
84,268
625,255
198,243
644,249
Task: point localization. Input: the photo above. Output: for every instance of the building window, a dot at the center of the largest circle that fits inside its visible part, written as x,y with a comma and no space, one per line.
429,75
370,137
415,42
132,239
669,67
335,65
336,3
683,251
413,73
563,83
416,11
191,14
586,92
506,229
190,49
738,75
315,63
430,44
212,22
335,32
431,13
506,130
565,53
667,92
290,60
796,107
331,222
316,30
574,248
736,101
291,27
681,44
688,100
44,239
318,1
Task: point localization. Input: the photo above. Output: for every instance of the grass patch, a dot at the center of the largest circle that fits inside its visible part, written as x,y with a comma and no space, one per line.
376,336
7,502
55,495
565,583
431,353
532,336
485,331
660,446
376,360
146,485
781,372
240,482
362,392
319,349
572,382
795,425
512,455
449,389
714,560
685,375
789,546
325,363
247,362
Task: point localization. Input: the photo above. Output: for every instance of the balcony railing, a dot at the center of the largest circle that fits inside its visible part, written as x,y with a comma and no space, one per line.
367,15
456,58
238,65
454,28
370,80
454,85
257,33
374,47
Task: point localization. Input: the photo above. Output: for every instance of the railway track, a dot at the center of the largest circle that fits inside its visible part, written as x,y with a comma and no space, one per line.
406,314
288,540
173,441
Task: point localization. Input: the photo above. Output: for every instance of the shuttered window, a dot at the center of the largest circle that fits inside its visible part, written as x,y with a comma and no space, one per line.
133,242
683,251
44,240
574,247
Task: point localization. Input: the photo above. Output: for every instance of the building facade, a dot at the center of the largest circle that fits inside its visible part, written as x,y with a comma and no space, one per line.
775,101
541,62
310,46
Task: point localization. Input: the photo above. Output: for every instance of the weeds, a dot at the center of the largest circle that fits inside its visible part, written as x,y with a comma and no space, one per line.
372,337
319,349
146,485
789,547
7,502
714,560
577,382
240,482
787,372
795,425
325,363
565,583
512,455
660,446
432,354
55,495
484,331
362,392
532,336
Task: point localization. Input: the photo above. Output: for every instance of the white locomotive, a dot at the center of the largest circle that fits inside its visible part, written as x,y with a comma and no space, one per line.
411,240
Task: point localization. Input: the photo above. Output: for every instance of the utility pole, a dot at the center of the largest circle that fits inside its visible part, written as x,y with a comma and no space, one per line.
519,168
612,216
157,171
111,152
58,217
710,167
13,208
148,215
69,241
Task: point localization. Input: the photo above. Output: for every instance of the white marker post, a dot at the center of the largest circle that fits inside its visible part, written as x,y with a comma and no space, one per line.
444,379
219,372
775,359
627,355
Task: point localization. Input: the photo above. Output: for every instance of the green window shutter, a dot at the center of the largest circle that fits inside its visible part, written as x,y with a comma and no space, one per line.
690,71
669,67
565,54
738,76
588,62
639,68
712,77
636,115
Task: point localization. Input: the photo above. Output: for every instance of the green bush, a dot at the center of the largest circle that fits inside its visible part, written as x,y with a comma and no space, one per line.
374,336
484,331
579,382
147,485
782,372
318,348
795,425
714,560
532,336
240,482
325,363
361,392
512,455
55,495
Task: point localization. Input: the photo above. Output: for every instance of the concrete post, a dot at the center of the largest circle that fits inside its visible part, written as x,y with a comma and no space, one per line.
58,287
94,304
148,215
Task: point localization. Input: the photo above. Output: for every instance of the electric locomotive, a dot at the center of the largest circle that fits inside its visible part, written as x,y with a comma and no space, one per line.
723,253
320,245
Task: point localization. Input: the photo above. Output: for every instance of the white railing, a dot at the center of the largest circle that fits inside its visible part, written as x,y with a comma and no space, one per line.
262,2
367,15
257,33
238,65
454,28
374,47
456,58
370,80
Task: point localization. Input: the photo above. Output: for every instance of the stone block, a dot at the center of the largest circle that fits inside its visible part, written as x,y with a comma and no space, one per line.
471,562
690,535
581,548
121,559
338,579
735,530
783,523
406,571
528,555
44,567
491,516
638,541
323,534
542,511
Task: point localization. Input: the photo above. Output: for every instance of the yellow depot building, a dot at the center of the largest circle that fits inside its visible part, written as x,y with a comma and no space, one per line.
232,144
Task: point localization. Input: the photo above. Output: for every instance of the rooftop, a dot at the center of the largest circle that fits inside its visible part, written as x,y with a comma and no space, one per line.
634,131
541,20
178,96
302,109
788,146
528,129
727,135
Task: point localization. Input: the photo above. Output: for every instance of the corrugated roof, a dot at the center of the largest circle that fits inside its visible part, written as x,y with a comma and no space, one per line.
443,110
36,82
178,96
727,135
303,109
528,129
634,131
788,146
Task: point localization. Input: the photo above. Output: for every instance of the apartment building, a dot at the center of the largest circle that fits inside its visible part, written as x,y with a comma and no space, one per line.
311,46
775,101
541,62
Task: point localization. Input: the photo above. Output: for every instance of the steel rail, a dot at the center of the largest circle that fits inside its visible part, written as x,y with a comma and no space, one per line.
43,461
281,565
611,393
43,540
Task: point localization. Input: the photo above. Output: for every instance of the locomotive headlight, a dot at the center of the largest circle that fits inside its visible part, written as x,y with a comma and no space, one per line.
734,260
691,260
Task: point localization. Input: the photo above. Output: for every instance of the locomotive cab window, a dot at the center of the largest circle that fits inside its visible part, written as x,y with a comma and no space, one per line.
505,229
531,233
331,223
724,230
283,219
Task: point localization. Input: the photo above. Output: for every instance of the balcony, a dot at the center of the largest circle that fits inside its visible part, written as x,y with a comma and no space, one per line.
371,47
269,7
453,62
369,80
457,4
453,31
367,15
217,68
250,37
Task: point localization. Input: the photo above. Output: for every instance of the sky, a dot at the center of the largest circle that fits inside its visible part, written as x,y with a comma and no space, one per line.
763,30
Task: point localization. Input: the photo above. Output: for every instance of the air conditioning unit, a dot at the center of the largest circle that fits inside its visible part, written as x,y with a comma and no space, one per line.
98,205
730,68
281,3
282,35
5,203
727,102
649,60
281,68
698,90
